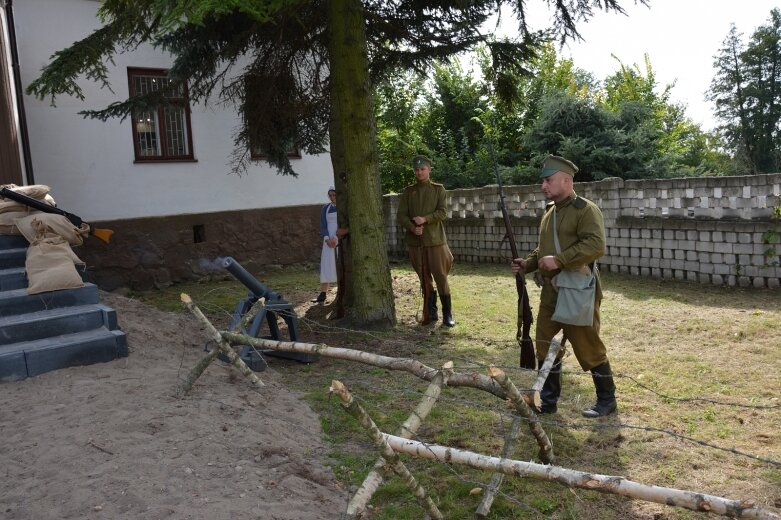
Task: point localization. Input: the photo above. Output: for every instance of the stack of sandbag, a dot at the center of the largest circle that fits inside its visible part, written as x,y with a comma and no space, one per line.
51,263
10,210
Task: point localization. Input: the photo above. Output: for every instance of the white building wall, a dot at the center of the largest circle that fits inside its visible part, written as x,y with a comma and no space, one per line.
89,164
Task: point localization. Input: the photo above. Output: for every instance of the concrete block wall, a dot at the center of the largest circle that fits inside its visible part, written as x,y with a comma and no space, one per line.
708,230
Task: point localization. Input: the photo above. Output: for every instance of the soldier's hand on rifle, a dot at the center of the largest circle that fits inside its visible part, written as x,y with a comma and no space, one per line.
518,265
548,263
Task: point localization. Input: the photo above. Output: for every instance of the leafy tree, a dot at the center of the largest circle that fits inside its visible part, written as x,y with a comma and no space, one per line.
747,93
303,72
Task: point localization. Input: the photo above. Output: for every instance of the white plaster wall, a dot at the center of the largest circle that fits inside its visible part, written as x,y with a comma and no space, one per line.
89,164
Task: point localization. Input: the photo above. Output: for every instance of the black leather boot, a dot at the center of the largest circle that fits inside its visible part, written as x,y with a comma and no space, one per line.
606,392
432,306
447,311
551,389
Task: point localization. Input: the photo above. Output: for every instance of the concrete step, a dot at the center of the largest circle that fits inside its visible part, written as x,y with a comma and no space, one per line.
13,242
12,278
53,322
31,358
17,301
13,257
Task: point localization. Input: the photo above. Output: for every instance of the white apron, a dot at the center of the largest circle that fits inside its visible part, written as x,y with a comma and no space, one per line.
328,256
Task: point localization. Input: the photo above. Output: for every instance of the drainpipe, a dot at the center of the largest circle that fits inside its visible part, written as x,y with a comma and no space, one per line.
28,160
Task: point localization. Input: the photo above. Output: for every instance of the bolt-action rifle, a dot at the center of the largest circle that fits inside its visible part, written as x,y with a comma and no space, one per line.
525,319
102,234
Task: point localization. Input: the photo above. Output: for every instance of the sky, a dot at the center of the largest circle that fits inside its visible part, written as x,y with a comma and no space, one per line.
681,37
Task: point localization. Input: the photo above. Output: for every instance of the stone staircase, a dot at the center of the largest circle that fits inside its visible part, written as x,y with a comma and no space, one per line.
52,330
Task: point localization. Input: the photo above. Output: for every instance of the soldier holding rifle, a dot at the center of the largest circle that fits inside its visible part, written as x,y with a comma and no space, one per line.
581,233
422,213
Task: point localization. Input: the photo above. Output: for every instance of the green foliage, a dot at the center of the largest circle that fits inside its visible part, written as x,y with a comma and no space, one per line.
625,126
747,94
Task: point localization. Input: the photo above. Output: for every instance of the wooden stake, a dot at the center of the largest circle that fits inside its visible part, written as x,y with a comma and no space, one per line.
578,479
375,477
386,452
221,345
489,494
413,366
546,449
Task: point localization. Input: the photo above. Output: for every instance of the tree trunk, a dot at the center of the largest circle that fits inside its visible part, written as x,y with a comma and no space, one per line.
353,135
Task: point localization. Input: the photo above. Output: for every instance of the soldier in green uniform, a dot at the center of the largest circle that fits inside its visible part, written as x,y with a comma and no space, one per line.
581,232
422,212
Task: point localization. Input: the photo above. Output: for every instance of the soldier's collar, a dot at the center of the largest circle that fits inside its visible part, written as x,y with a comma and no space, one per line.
566,201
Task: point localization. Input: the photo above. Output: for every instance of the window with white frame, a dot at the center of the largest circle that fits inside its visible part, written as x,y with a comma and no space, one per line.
163,133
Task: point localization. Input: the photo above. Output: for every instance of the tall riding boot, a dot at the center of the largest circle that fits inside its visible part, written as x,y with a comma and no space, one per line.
606,392
447,311
432,307
551,389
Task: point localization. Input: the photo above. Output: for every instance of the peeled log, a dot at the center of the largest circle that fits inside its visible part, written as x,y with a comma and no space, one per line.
571,478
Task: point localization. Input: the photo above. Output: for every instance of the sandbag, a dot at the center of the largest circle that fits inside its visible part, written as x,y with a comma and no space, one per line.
8,220
37,225
36,191
51,265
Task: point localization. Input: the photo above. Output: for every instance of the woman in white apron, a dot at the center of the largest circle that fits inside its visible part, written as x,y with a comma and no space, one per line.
328,230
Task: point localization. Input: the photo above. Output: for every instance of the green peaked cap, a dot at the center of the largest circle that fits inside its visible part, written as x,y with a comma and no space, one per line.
421,160
554,163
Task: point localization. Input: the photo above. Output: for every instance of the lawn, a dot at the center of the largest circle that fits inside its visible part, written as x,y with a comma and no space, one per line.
697,382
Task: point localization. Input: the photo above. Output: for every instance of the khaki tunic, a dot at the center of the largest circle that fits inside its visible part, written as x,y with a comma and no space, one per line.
427,199
581,231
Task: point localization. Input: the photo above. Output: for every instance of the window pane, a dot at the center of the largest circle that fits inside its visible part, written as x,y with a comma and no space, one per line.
147,130
176,131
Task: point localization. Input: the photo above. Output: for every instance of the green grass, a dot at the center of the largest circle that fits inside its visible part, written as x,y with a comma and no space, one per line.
680,340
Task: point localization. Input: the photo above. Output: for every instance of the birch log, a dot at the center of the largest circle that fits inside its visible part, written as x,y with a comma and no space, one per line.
546,448
354,409
490,491
221,343
413,366
206,360
375,477
578,479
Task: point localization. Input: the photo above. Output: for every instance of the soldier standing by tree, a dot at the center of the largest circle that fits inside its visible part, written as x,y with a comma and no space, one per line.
581,234
422,212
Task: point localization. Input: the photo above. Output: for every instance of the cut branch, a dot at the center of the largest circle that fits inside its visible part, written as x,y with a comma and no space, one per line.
375,477
577,479
484,507
222,345
387,453
413,366
546,449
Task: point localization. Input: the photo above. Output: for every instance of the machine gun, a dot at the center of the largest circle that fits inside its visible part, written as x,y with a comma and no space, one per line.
101,233
275,307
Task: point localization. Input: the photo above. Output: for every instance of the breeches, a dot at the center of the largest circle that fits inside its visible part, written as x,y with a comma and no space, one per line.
586,343
439,260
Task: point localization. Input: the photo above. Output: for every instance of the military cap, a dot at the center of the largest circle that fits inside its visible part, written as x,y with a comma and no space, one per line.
421,160
554,163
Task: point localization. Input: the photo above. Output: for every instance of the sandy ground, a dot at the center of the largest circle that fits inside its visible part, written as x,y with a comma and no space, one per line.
111,441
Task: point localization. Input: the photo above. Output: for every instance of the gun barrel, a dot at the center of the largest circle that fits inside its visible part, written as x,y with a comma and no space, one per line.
250,282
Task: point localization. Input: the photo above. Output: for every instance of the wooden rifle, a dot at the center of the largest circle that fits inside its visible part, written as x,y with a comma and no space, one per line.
425,274
525,319
102,234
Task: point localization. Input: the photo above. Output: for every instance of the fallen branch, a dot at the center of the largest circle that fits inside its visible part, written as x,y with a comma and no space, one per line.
484,507
390,456
413,366
221,343
546,448
578,479
206,360
375,477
